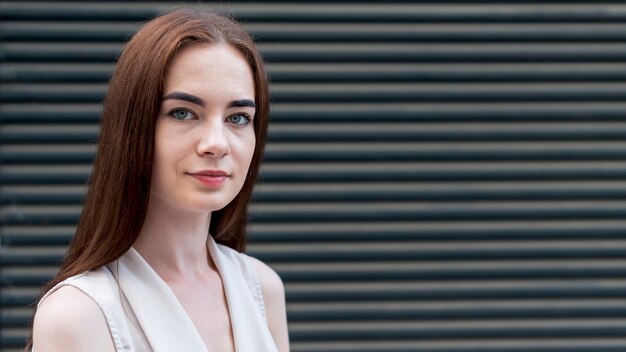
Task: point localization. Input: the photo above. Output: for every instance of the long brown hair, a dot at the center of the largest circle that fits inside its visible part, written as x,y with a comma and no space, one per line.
117,197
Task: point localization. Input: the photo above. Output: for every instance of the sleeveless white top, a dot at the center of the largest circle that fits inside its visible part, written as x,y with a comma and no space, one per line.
143,314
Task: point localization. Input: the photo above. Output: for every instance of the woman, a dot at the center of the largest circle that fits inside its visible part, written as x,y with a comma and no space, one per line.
155,263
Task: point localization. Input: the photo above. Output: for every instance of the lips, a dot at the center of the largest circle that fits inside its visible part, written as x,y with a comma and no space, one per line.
211,178
210,173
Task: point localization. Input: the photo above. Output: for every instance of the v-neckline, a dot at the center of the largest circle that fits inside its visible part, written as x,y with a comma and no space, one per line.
180,312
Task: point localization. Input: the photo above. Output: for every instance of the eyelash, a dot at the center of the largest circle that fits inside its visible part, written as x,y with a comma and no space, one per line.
245,116
173,112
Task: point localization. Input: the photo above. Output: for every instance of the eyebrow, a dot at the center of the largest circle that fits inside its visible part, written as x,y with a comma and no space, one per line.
242,103
186,97
200,102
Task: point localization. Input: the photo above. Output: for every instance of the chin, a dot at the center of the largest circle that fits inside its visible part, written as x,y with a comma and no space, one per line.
208,207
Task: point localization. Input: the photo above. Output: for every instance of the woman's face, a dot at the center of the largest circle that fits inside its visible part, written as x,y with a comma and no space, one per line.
204,138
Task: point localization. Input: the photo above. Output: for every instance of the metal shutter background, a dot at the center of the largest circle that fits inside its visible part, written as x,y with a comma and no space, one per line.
444,176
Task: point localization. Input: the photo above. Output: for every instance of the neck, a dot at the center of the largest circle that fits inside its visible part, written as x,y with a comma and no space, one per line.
173,242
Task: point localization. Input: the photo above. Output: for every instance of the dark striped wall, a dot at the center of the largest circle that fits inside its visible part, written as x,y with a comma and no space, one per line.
443,176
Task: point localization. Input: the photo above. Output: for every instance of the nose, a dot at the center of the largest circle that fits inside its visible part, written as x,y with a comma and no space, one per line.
213,139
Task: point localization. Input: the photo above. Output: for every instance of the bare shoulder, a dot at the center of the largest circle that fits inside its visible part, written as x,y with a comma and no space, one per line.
271,283
274,298
69,320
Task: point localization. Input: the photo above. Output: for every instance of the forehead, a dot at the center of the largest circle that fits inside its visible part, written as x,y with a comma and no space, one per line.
210,69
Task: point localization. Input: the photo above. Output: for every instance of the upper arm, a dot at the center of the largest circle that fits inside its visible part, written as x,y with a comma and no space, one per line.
69,320
274,298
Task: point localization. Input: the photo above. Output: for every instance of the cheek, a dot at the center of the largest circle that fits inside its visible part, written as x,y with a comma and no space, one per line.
243,156
159,163
157,157
164,159
250,146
